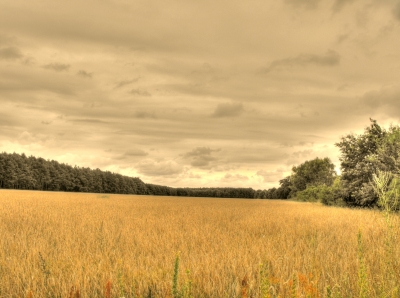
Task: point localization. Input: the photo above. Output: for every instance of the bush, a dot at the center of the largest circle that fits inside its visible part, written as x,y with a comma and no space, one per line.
327,195
333,195
310,194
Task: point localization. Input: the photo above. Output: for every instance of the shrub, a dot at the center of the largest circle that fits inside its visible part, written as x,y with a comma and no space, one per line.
310,194
327,195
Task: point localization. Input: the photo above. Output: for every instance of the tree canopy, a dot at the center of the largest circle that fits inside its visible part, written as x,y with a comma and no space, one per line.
312,173
17,171
357,165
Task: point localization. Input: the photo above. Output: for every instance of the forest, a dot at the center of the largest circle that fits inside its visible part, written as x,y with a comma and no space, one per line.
17,171
364,159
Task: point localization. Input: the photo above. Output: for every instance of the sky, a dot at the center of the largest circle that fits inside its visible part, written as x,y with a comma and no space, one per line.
195,93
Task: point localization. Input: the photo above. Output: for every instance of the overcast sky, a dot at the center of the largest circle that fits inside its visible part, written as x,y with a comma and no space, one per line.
195,93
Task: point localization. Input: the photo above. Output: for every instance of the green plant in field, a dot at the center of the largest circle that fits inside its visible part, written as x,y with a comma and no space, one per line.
121,284
187,288
328,292
264,281
175,290
386,187
362,269
294,286
43,266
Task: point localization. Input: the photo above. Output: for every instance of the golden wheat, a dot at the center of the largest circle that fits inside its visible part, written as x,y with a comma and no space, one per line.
90,245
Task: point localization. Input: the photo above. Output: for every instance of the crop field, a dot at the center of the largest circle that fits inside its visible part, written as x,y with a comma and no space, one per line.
98,245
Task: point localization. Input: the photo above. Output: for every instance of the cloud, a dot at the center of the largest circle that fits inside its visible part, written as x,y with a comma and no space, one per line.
234,178
396,11
199,151
339,4
228,110
309,4
10,53
151,167
84,74
144,115
341,38
383,100
89,121
126,82
331,58
270,176
132,153
197,73
139,92
57,67
200,157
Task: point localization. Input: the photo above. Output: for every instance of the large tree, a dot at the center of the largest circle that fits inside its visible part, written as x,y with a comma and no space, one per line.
358,164
319,171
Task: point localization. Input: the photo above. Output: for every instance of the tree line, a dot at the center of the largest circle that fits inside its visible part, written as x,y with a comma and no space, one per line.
17,171
363,156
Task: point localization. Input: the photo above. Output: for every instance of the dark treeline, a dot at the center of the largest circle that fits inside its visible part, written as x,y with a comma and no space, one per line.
17,171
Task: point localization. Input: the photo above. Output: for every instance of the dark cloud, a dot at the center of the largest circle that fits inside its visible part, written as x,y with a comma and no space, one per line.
228,110
200,157
139,92
339,4
85,74
57,67
144,115
384,100
331,58
199,151
342,37
396,11
10,53
309,4
126,82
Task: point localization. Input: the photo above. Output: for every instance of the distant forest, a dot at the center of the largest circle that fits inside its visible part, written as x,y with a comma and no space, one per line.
17,171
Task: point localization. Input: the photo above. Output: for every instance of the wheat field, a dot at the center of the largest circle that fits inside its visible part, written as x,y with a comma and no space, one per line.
96,245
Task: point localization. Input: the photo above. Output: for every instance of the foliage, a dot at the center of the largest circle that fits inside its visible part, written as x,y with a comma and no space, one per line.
282,192
333,195
310,194
312,173
328,195
387,156
17,171
386,187
357,166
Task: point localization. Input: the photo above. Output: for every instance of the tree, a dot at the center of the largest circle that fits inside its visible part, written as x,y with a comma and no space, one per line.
387,156
312,173
358,165
283,191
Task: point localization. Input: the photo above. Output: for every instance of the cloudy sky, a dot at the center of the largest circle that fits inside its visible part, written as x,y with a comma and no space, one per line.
195,93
